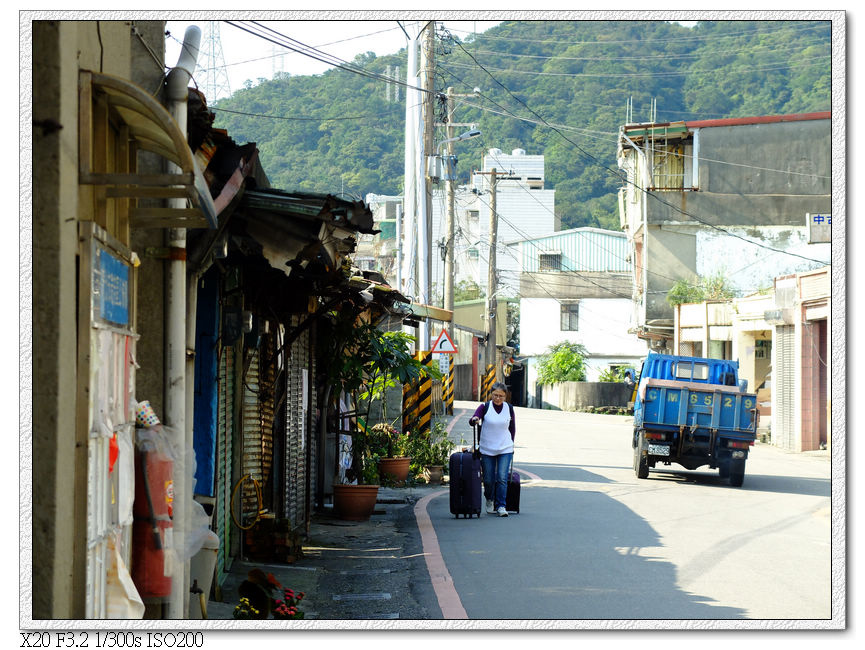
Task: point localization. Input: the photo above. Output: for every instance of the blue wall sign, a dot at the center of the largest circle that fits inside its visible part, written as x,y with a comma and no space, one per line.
111,289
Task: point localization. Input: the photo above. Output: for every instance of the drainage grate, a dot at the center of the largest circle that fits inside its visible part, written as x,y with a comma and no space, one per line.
378,596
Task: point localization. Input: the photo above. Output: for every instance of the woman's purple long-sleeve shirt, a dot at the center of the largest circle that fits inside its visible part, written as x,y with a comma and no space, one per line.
512,426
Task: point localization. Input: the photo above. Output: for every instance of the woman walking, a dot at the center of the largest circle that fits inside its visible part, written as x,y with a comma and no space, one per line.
498,429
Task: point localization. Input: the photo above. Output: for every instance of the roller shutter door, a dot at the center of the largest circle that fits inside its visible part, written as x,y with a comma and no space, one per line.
784,373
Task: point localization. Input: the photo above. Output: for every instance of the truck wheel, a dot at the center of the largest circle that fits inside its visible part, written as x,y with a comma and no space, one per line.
737,472
641,463
724,469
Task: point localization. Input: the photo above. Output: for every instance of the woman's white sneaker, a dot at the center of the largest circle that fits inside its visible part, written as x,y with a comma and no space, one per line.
502,512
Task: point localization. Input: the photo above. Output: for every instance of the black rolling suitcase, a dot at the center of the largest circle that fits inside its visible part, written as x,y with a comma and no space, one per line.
512,500
465,481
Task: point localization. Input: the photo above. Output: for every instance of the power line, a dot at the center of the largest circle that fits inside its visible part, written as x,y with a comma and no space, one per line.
654,75
273,36
588,133
752,50
309,119
714,36
628,181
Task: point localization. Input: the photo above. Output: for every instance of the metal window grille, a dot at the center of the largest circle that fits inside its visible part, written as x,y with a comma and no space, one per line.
550,261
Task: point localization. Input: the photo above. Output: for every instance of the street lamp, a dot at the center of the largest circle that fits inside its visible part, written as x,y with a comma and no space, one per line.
436,166
472,133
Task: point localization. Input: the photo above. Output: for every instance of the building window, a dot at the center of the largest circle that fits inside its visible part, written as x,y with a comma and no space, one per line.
570,316
550,262
668,172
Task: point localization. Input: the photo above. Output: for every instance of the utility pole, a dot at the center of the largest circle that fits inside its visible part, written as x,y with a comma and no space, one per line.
410,197
491,274
425,224
490,329
448,280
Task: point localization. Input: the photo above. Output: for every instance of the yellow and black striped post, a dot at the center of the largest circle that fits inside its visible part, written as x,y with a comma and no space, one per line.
448,387
409,406
417,400
489,380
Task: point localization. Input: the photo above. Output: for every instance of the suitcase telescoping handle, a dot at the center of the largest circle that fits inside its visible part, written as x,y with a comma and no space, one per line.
476,440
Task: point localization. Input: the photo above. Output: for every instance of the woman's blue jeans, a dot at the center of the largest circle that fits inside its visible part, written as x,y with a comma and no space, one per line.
495,471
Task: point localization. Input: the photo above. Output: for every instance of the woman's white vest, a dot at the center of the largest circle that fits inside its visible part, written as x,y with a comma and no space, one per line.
495,435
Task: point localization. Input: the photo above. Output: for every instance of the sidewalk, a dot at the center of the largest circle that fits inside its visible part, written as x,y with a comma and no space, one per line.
356,570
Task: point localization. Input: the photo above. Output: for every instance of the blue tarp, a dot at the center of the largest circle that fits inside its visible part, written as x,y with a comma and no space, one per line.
206,398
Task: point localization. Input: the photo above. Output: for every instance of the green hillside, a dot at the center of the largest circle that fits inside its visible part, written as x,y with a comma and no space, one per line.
561,88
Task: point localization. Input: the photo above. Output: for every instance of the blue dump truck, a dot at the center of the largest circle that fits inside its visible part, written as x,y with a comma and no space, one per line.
693,412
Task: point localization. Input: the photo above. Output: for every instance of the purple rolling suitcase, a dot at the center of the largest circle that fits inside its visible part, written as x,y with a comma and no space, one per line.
465,481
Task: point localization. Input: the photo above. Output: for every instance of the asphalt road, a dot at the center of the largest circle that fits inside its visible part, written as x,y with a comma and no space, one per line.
593,542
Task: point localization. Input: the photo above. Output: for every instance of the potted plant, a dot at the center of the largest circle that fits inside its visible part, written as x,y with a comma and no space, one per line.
432,452
391,449
362,362
391,364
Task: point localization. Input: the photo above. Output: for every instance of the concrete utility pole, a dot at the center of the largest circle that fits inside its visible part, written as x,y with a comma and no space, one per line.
410,192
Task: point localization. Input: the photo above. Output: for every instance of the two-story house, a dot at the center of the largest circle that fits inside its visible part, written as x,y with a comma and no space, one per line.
575,286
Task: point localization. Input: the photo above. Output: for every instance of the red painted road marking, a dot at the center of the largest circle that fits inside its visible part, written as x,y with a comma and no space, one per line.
443,584
532,477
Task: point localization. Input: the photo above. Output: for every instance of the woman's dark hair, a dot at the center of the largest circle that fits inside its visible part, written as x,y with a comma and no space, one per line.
499,386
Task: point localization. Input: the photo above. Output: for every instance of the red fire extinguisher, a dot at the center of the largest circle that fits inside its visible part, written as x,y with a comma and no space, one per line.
151,530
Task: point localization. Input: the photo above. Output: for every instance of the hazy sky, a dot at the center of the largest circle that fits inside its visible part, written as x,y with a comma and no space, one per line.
250,57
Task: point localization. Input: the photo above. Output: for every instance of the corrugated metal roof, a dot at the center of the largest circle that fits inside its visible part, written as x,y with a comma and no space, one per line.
582,249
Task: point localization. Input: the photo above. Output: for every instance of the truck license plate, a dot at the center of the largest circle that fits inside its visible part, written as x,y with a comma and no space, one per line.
659,450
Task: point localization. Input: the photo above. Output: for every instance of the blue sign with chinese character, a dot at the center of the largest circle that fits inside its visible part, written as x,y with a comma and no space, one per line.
111,289
819,228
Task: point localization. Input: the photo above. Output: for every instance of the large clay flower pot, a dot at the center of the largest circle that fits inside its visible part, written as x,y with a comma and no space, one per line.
394,469
354,502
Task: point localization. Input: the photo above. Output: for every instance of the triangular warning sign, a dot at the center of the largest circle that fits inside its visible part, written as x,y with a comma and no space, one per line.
444,344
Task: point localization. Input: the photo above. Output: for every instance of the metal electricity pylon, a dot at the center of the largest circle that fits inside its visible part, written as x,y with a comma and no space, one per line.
211,74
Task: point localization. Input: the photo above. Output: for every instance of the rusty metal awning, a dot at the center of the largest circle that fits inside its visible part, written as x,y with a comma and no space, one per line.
150,127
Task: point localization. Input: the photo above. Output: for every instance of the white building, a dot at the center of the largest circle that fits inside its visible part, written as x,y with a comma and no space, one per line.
525,210
575,286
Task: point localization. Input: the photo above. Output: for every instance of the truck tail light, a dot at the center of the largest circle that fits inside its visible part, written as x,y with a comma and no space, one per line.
654,436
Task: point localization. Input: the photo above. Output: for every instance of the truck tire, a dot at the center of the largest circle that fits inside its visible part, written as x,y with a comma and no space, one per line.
737,472
641,462
724,469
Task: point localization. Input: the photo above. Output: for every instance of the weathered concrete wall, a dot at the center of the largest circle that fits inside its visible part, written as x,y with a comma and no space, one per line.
59,50
463,382
672,254
577,395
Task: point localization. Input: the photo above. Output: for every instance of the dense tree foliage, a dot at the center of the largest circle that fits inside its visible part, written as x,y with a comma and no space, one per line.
561,88
563,361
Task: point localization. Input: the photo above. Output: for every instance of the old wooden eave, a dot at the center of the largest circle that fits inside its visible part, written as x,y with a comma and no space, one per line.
149,127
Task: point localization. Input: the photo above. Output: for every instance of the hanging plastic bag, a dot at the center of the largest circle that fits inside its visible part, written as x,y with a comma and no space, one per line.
122,599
